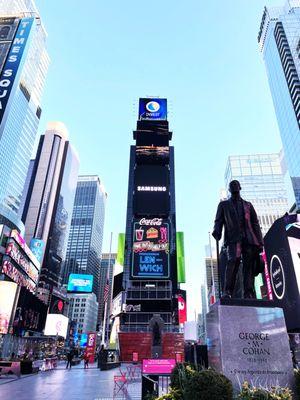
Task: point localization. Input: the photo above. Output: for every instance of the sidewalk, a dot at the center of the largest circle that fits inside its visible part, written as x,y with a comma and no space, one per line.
62,384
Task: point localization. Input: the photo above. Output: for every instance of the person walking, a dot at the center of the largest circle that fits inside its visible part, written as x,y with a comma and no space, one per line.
86,359
70,357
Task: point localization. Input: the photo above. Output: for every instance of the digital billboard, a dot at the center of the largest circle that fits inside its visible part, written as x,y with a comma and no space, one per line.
56,325
150,252
13,61
80,283
150,154
30,314
153,109
151,190
37,248
7,298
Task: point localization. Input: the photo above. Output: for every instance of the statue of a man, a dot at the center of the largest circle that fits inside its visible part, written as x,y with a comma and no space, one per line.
242,238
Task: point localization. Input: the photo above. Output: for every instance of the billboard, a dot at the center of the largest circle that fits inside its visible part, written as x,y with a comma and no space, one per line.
91,346
282,247
152,154
153,109
151,248
56,325
30,314
180,257
8,27
182,310
80,283
12,63
158,366
7,297
151,190
37,248
17,276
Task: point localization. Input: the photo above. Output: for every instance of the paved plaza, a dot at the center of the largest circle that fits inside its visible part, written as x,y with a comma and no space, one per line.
62,384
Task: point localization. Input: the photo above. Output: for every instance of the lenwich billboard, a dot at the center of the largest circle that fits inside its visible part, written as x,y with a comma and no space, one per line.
151,249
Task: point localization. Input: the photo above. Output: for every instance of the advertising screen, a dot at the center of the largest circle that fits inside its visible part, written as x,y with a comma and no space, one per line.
151,192
17,276
150,154
150,253
7,298
80,283
37,248
153,109
56,325
30,314
13,61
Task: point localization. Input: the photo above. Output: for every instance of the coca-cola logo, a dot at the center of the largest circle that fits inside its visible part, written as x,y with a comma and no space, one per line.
153,221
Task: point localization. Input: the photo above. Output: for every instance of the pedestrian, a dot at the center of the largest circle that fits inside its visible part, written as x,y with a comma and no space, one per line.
86,359
102,357
70,356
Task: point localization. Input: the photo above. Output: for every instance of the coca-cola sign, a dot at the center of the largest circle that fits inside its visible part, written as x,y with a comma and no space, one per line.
152,222
151,249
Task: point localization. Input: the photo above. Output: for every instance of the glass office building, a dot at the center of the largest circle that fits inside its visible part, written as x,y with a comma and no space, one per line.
48,208
86,233
22,51
279,40
263,184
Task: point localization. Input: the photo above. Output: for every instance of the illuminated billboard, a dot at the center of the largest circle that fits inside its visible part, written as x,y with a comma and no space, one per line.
151,190
152,154
80,283
153,109
8,27
150,252
56,325
7,298
37,248
12,62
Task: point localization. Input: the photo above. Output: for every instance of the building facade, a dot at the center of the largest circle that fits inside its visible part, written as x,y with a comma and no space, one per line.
86,232
106,271
48,208
280,45
22,39
263,184
83,309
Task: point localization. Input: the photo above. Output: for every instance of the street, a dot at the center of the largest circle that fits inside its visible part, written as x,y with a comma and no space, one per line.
75,384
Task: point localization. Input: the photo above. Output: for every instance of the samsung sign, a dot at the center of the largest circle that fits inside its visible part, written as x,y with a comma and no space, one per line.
153,109
10,70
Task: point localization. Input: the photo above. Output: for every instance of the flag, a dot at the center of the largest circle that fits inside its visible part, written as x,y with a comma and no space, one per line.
106,290
212,293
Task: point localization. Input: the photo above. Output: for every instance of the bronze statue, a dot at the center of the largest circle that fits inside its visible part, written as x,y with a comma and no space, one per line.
242,238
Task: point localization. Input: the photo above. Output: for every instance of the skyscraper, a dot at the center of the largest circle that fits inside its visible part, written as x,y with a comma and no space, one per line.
107,262
49,204
263,184
279,42
150,270
86,233
22,40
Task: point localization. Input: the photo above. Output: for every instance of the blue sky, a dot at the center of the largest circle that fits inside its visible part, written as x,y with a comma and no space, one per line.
202,55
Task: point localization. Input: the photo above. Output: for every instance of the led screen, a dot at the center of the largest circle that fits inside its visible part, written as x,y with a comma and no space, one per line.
153,109
80,283
151,191
7,298
150,253
56,325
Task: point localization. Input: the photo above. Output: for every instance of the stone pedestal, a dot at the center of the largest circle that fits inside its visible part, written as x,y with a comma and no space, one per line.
250,343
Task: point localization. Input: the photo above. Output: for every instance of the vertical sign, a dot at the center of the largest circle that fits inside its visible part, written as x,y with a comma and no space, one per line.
91,346
182,315
10,70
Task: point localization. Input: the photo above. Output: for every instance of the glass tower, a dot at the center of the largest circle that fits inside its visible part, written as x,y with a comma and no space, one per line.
262,181
86,233
23,66
48,208
279,40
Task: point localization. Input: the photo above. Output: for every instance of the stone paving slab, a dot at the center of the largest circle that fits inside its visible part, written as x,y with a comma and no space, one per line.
62,384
